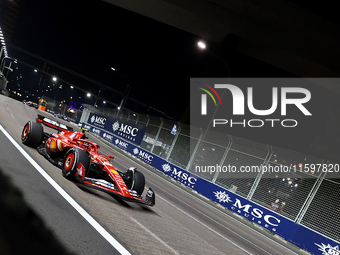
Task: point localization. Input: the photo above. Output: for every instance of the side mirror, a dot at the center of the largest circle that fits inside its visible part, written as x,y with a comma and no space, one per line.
110,157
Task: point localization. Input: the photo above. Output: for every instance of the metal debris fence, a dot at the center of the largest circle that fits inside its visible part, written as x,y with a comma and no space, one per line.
310,198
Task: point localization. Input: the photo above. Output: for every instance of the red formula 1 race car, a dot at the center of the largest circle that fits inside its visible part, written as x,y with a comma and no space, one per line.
80,161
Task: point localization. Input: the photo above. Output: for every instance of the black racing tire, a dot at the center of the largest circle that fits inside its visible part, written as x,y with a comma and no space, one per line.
32,134
138,182
76,165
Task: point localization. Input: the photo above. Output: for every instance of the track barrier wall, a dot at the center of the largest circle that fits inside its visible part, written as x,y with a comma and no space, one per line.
309,216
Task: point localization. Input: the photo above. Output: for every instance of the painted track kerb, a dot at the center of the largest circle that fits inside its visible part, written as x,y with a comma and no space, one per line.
68,198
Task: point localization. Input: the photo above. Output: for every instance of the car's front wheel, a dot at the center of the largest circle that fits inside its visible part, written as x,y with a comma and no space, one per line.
76,165
135,180
32,134
138,182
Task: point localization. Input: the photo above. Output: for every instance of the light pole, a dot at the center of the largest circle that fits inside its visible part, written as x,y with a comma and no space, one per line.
203,46
127,91
95,102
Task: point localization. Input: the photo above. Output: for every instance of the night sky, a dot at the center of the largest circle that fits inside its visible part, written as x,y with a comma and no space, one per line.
90,37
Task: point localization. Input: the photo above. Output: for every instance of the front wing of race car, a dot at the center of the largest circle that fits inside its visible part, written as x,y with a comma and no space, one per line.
129,195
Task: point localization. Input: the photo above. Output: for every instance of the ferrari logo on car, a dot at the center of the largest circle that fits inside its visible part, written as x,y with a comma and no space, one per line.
52,146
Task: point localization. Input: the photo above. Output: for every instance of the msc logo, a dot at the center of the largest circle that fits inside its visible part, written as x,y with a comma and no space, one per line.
124,128
255,214
121,144
98,120
96,131
222,197
108,137
115,126
143,155
180,175
328,249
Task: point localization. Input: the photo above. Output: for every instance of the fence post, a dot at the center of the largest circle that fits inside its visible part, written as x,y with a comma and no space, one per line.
260,174
310,197
173,142
147,123
223,157
137,118
194,152
157,135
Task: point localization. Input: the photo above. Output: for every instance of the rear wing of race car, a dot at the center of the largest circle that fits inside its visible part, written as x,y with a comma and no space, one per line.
53,124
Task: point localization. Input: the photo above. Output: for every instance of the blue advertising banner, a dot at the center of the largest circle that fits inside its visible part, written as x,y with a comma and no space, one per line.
301,236
297,234
169,169
128,130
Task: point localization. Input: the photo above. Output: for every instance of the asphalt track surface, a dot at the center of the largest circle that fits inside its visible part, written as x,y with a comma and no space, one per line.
181,222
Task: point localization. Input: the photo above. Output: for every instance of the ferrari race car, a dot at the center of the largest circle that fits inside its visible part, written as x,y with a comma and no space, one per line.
80,161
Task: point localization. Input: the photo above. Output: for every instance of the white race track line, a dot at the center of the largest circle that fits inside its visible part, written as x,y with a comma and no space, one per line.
154,236
120,248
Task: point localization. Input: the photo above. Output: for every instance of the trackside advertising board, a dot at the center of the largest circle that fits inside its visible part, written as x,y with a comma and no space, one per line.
128,130
274,222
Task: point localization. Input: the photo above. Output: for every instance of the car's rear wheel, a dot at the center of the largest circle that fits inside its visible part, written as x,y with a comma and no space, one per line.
138,182
76,165
32,134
